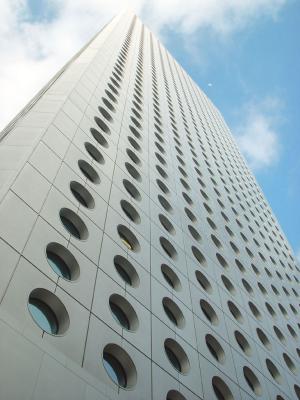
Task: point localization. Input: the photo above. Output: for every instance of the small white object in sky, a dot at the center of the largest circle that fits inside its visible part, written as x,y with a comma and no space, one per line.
209,84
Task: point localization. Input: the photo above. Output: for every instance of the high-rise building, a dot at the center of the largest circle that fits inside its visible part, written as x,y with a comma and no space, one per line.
139,258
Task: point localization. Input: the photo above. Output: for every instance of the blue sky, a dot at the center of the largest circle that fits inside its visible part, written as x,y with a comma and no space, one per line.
244,54
41,10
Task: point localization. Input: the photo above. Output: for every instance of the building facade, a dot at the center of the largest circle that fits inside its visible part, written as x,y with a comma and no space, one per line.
139,258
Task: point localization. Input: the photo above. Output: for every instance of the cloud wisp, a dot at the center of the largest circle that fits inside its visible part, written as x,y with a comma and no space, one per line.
257,133
35,43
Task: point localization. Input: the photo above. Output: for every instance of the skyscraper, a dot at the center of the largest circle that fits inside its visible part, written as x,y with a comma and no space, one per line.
139,258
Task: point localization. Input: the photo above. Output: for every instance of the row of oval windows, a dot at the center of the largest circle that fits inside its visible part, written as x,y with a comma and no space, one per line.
86,199
117,373
169,98
169,227
104,355
59,258
256,242
171,230
126,242
66,266
129,239
43,313
201,259
51,316
282,309
218,244
155,80
253,308
133,244
243,236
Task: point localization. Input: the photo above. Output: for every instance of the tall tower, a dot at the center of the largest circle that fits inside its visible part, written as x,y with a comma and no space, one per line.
139,258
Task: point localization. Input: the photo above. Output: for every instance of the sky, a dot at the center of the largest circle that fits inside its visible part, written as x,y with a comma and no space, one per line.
245,55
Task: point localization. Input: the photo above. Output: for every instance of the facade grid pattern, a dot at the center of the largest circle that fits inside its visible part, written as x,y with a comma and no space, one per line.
139,257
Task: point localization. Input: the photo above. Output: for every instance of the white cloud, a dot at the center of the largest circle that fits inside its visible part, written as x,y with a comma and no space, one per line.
32,51
257,133
223,16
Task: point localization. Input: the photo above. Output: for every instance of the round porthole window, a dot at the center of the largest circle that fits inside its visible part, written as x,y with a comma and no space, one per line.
199,256
73,224
209,312
273,370
128,238
160,159
102,125
133,172
173,312
203,281
292,331
162,186
168,248
62,261
227,283
89,172
133,157
94,152
215,348
195,234
279,334
123,312
177,356
248,287
130,211
263,338
99,137
134,144
112,88
235,311
216,241
240,266
111,96
187,198
211,223
222,260
166,224
164,203
171,277
174,395
126,271
243,343
290,363
82,195
221,390
161,171
105,114
255,311
48,312
252,381
132,190
108,104
190,215
119,366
